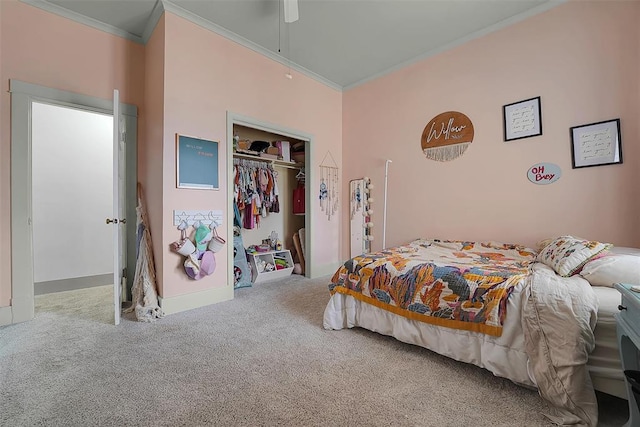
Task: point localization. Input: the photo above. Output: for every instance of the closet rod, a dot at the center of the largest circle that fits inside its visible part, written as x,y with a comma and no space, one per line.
281,163
286,166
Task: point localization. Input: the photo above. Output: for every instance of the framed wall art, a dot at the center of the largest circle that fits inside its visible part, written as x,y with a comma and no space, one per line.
596,144
196,163
522,119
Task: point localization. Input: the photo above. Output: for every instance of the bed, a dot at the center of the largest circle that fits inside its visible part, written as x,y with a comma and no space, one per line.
487,303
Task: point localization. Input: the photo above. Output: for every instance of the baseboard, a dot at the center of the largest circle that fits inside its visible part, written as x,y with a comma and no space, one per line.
172,305
6,316
72,284
22,307
324,270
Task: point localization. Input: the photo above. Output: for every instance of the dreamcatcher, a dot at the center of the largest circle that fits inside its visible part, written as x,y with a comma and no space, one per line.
329,186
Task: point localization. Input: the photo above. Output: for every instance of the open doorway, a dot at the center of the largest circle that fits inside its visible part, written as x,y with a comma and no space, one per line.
72,195
24,96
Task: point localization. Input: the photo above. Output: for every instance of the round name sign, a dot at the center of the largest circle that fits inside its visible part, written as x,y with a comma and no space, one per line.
544,173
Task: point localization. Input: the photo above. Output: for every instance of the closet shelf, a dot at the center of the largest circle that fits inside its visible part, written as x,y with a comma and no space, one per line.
291,165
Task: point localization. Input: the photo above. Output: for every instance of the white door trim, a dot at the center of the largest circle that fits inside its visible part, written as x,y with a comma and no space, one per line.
22,96
238,119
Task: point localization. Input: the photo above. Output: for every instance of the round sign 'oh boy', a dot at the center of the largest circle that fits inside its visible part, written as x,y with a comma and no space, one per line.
544,173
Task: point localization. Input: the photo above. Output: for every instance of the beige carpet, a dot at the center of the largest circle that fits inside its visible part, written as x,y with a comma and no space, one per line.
92,304
262,359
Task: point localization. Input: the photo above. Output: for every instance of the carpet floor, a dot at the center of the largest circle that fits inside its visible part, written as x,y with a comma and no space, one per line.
262,359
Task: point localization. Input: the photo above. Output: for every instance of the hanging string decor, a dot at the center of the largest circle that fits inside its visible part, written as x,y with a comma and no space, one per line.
323,191
329,181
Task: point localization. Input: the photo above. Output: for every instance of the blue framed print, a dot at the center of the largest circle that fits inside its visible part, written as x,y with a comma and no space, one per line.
196,163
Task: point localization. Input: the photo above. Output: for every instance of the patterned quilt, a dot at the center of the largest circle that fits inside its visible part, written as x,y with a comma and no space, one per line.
456,284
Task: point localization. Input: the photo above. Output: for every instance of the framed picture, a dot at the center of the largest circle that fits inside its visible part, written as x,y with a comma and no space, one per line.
522,119
596,144
196,163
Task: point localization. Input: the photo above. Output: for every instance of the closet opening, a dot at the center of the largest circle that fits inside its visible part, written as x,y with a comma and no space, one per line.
269,202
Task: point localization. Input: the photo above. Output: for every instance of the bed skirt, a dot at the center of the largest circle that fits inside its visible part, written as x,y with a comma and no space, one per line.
504,356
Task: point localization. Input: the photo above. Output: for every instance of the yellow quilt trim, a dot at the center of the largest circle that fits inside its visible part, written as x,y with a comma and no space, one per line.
495,331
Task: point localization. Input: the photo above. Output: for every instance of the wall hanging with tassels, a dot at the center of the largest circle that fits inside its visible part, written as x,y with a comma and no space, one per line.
447,136
329,181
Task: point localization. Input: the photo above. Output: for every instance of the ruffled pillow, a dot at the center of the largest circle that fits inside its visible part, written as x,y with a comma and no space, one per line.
568,254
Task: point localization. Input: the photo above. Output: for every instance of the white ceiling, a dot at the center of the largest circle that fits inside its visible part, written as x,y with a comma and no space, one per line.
339,42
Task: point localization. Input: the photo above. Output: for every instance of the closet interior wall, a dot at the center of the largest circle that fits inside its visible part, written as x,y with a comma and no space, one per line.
285,223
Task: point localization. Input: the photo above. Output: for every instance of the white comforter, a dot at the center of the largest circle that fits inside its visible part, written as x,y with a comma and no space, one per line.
558,318
547,336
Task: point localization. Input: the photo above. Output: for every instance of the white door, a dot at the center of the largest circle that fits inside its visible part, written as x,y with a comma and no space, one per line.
118,222
23,96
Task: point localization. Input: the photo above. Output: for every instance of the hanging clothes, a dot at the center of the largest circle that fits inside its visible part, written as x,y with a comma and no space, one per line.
299,199
255,191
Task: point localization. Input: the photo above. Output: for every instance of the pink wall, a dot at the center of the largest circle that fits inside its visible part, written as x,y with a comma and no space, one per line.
45,49
151,140
207,75
582,58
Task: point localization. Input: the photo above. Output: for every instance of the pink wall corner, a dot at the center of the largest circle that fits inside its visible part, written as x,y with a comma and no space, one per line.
46,49
207,75
583,60
150,151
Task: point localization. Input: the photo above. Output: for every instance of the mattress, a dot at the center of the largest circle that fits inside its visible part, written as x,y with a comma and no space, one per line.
604,362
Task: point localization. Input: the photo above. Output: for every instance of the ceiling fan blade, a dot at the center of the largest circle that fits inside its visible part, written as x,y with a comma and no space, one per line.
290,11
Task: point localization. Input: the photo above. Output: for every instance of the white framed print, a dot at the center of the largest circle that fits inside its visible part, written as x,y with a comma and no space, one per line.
522,119
596,144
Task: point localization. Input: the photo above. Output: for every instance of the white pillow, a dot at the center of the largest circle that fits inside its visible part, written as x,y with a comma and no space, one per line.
621,250
612,269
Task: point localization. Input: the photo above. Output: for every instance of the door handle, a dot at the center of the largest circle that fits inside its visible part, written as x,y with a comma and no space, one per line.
123,221
109,220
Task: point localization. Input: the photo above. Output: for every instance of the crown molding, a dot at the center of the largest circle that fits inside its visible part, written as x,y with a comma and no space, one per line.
162,6
82,19
475,35
156,14
198,20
